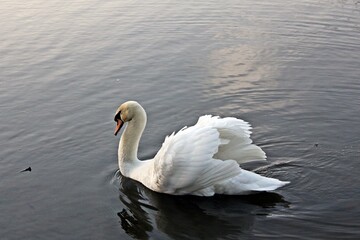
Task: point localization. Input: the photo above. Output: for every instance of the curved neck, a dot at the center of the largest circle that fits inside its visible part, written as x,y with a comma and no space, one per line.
129,142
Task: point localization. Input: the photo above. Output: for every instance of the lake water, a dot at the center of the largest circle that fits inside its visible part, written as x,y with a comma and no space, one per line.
290,68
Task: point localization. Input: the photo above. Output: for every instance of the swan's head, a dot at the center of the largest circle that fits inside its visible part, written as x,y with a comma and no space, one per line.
126,112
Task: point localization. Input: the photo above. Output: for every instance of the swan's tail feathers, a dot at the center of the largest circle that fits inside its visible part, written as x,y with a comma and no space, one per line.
256,182
249,182
270,185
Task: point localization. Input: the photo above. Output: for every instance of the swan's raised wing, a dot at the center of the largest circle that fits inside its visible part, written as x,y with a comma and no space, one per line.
235,138
185,164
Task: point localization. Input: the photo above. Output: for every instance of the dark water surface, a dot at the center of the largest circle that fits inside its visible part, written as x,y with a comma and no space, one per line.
291,68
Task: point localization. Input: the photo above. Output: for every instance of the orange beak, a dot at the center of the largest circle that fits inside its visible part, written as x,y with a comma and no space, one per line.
118,126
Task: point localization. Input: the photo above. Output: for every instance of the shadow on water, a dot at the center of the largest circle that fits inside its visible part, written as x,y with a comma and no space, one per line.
148,214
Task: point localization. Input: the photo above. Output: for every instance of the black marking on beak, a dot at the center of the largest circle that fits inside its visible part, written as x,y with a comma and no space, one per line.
117,116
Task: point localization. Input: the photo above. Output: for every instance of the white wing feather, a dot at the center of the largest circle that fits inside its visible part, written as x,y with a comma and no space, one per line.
236,143
185,164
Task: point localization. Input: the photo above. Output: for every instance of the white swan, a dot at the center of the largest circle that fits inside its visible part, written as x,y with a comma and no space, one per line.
199,160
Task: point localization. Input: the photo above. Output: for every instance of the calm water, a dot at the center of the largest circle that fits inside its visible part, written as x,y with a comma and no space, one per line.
291,68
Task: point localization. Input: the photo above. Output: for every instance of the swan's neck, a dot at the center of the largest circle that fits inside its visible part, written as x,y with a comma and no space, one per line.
129,143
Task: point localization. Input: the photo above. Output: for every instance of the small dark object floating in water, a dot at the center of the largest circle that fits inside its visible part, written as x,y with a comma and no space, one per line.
316,144
26,170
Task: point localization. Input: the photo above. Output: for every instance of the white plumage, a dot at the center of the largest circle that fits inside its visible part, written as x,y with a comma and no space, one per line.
199,160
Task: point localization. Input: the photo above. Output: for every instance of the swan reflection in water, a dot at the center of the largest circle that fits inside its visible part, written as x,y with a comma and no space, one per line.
150,215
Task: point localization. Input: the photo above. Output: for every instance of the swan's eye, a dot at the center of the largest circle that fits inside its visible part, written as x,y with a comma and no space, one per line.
117,116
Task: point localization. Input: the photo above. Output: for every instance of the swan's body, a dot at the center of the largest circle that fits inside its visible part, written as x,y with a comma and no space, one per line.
199,160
